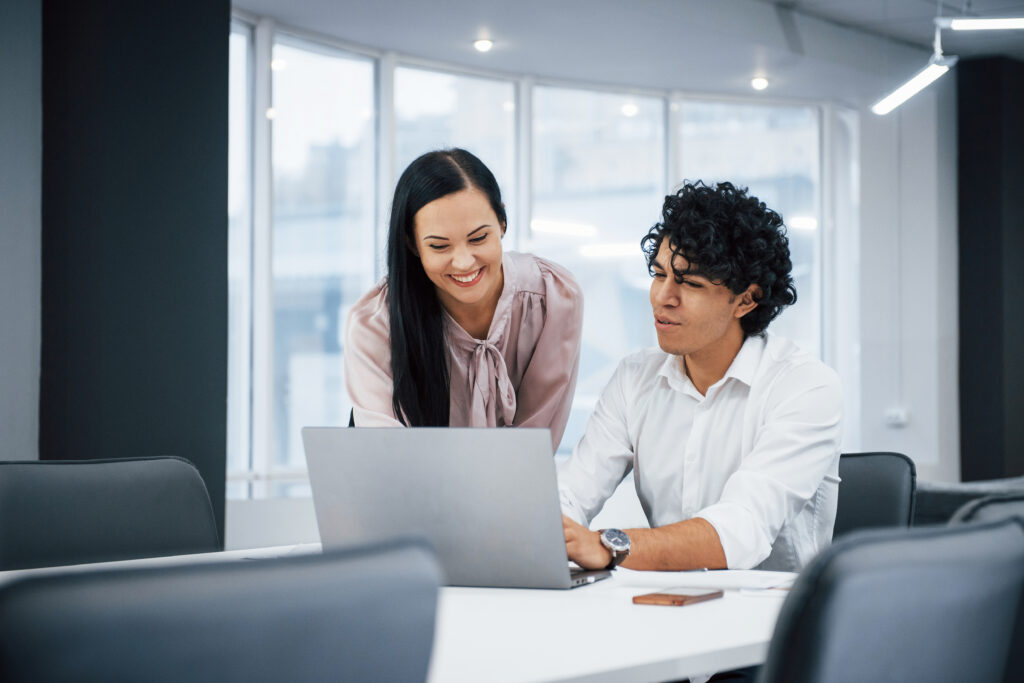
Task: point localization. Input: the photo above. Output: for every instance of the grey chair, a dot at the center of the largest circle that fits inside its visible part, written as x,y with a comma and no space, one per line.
365,614
875,490
930,604
77,511
992,509
937,502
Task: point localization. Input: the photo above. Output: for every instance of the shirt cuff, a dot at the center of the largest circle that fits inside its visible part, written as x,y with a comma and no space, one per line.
743,540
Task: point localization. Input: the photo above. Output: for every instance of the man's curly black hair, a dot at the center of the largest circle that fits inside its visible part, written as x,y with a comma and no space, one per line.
730,238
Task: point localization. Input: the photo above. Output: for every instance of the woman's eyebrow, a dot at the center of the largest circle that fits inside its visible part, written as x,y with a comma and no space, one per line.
439,237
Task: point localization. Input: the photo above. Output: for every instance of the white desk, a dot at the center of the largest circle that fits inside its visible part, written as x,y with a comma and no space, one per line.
596,633
593,633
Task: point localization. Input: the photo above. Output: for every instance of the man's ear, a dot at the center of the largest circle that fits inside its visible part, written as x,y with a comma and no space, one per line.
748,300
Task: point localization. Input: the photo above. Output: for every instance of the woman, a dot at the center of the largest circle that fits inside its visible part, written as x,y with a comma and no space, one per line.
459,333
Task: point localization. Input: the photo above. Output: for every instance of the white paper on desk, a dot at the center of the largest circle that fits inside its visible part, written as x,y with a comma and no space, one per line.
729,579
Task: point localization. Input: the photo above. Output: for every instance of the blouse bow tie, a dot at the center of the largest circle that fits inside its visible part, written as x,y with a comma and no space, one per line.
490,386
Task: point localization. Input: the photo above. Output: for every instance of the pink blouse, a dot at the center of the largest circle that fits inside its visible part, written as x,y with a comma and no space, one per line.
522,375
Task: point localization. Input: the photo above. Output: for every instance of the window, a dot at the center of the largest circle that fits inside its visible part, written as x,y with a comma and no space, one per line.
324,210
435,110
774,151
583,174
239,258
598,184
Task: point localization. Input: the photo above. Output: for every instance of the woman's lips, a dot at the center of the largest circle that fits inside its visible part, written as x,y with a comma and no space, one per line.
473,278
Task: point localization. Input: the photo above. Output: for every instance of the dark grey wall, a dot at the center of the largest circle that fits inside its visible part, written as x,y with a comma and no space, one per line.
20,178
134,239
991,207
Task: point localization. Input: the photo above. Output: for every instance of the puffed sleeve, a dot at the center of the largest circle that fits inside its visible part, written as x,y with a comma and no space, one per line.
545,393
367,361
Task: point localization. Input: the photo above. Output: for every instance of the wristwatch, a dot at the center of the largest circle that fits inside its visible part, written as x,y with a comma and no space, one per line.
617,543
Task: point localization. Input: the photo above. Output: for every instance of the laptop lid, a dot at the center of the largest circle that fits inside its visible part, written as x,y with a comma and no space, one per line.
487,499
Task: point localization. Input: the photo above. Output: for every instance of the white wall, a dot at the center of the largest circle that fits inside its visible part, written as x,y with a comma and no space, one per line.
908,281
20,232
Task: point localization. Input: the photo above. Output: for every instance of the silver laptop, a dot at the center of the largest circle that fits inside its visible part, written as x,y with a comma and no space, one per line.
486,498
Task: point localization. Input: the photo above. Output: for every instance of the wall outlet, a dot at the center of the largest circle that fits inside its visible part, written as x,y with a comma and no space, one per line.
897,418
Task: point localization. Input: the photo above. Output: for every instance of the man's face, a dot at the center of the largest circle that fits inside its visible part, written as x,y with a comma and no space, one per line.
691,313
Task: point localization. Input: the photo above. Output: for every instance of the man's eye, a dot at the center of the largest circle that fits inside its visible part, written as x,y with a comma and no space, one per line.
657,275
692,283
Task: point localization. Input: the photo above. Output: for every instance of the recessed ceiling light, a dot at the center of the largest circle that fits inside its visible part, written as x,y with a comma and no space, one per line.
759,83
629,109
278,65
483,44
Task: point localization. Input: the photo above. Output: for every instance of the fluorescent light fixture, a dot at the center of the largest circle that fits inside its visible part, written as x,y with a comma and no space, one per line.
759,83
980,23
610,250
920,81
483,44
803,223
560,228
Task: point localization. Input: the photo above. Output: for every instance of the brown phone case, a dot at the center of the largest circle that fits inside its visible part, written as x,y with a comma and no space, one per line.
675,599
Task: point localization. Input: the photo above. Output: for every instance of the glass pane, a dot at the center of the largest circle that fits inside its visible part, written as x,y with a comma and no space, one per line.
239,256
435,110
598,185
773,150
323,222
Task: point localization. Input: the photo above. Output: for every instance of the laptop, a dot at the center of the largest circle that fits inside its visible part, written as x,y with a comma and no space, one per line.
487,499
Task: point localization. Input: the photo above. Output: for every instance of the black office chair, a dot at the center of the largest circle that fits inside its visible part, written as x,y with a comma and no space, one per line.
75,511
875,490
928,604
365,614
992,509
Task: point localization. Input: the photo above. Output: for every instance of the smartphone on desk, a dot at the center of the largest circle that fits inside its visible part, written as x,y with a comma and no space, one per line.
676,597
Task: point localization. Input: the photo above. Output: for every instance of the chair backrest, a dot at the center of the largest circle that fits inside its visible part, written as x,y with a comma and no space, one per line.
990,509
926,604
363,614
55,512
875,490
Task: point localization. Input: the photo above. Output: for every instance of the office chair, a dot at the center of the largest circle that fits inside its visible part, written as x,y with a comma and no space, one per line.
992,509
55,512
928,604
364,614
875,490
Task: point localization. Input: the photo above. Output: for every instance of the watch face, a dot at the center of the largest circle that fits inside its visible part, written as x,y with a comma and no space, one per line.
616,539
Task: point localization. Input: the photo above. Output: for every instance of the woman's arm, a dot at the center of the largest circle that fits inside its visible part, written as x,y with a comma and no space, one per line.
545,394
367,361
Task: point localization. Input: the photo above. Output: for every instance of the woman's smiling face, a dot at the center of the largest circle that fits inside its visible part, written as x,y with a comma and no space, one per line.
458,241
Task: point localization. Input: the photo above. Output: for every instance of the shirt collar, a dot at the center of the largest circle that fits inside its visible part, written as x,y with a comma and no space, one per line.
743,367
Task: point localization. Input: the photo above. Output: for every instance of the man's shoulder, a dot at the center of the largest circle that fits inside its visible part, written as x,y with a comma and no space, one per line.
784,360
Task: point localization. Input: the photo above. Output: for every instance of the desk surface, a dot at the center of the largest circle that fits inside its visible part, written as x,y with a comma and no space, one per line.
593,633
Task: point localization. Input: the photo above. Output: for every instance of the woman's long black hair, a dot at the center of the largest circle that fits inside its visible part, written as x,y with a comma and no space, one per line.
419,364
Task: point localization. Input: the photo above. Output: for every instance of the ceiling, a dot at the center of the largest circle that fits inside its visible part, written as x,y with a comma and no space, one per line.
911,21
847,51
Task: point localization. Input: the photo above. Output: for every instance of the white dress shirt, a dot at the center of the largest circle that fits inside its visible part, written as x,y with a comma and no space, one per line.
757,457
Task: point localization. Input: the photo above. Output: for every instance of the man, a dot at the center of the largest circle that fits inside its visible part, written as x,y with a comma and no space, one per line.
732,433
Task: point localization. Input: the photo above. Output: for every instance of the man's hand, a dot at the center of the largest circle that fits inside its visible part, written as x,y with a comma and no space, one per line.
584,546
